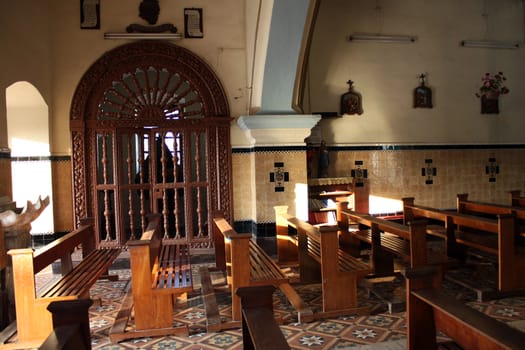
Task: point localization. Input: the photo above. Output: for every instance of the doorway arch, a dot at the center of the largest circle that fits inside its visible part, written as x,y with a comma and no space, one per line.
150,131
28,140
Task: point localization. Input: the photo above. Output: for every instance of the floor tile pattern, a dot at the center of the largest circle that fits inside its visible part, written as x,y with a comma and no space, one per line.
349,332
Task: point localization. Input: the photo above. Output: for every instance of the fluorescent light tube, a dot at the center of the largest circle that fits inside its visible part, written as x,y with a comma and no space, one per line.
143,36
382,38
490,44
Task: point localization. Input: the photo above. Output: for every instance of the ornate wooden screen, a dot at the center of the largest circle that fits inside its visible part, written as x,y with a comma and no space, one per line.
150,132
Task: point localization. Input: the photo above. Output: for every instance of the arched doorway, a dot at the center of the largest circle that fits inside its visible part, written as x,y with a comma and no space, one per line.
150,132
28,139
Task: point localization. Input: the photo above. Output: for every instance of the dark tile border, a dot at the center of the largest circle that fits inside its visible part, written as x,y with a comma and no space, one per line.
41,158
380,148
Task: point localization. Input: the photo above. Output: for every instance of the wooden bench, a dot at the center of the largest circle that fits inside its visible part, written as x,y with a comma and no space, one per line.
70,325
493,236
320,259
160,272
260,330
247,264
287,241
430,310
516,199
466,206
388,239
34,321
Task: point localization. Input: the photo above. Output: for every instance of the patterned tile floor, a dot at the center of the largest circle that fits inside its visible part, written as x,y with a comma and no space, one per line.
350,332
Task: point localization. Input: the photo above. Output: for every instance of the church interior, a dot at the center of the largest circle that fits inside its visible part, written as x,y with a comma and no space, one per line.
167,122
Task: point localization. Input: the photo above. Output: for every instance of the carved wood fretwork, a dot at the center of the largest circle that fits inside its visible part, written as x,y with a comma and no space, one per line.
131,101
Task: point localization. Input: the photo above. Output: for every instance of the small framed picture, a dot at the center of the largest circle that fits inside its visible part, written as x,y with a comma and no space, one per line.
422,94
193,23
89,14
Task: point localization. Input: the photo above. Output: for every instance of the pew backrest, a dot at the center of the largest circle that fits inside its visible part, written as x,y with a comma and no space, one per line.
413,211
414,232
464,205
516,199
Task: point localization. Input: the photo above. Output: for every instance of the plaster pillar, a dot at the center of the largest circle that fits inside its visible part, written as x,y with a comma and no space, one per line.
279,163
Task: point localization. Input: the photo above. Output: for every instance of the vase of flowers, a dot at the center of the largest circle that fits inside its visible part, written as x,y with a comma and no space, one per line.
492,86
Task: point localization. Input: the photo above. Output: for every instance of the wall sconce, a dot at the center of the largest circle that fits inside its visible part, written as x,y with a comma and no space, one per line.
405,39
490,44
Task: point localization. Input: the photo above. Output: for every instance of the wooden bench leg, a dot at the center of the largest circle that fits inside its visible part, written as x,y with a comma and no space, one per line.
259,328
420,315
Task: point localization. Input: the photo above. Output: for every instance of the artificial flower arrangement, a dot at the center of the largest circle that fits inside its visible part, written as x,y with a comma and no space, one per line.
492,85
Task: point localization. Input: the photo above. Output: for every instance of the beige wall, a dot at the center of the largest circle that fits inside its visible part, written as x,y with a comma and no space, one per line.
55,59
74,50
386,74
47,48
24,25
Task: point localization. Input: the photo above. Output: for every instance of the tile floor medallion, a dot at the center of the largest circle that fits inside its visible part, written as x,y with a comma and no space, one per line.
348,332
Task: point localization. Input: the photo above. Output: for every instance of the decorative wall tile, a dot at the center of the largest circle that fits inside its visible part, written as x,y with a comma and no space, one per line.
62,195
429,172
359,174
279,176
492,169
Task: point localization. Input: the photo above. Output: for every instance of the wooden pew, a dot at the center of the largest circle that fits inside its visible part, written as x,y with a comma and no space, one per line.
493,236
287,245
466,206
160,272
247,264
516,199
70,325
260,330
430,310
388,239
287,242
34,321
321,259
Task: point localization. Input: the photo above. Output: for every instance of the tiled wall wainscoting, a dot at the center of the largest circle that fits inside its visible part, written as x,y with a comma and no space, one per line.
432,174
5,173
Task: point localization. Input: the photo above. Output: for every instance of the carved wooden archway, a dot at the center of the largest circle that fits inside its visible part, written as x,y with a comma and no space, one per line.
150,131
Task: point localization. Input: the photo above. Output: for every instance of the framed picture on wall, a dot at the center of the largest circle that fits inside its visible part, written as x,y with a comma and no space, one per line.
90,14
193,23
422,94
